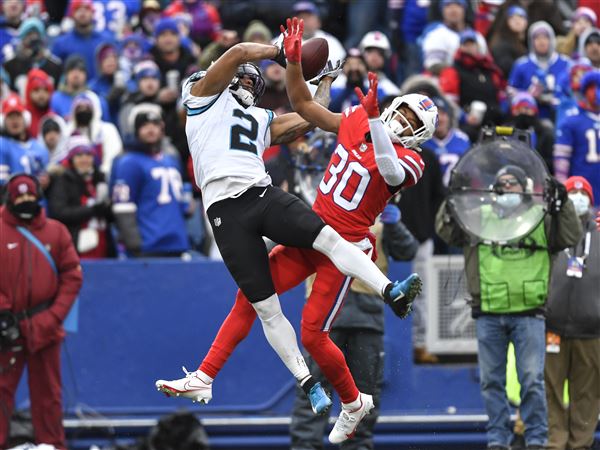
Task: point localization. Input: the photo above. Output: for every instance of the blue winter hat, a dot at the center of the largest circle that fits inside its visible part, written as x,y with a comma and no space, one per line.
592,77
444,3
166,24
468,35
516,11
146,69
32,24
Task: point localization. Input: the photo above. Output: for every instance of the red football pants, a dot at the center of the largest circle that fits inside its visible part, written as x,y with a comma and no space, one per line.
45,391
289,267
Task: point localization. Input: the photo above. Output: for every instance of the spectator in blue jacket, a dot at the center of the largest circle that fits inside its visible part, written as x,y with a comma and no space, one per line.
539,71
146,186
83,39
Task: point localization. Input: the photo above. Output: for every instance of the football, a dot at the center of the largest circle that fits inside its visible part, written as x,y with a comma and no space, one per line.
315,53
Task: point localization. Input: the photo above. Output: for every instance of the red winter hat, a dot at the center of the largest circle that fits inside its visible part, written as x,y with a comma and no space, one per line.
580,183
19,185
76,4
11,104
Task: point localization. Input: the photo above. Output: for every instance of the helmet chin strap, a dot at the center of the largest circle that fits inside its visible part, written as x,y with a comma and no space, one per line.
243,95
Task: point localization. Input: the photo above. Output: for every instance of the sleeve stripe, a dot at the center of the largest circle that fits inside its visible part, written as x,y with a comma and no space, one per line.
271,115
201,109
562,150
416,164
409,169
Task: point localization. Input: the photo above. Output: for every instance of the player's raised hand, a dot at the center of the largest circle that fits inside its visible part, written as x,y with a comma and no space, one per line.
369,101
292,39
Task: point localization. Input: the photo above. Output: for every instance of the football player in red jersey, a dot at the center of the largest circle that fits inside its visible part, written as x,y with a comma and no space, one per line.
375,158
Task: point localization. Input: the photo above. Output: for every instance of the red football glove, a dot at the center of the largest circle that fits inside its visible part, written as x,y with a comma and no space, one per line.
292,39
369,101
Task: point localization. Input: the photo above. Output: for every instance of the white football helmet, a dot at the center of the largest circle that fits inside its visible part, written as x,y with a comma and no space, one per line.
396,123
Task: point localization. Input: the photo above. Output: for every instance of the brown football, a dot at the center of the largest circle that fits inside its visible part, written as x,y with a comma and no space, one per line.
315,53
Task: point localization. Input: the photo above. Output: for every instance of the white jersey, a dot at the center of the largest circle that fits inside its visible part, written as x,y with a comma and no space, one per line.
226,142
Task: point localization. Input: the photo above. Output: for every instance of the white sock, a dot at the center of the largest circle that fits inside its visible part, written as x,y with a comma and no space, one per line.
349,259
281,335
352,405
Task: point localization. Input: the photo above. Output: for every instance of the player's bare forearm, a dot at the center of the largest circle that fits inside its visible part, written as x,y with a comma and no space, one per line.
296,126
220,73
323,94
313,111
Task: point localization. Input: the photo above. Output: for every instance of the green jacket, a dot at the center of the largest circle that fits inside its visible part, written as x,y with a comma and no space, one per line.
567,233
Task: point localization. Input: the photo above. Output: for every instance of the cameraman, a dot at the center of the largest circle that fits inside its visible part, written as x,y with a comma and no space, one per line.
39,281
508,285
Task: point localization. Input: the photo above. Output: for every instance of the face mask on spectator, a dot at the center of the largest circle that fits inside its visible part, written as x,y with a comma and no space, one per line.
581,203
524,121
510,200
25,210
83,118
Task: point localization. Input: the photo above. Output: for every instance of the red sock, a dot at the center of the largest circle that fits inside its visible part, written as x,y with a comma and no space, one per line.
332,363
234,329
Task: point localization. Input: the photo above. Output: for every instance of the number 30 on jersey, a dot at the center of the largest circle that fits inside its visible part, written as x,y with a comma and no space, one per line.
336,179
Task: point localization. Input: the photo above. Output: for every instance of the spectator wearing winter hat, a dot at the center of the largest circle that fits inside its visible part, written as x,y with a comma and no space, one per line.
589,46
148,90
354,74
524,115
567,91
206,22
148,202
583,19
111,82
38,92
442,40
85,119
79,199
83,38
41,301
537,72
578,137
18,151
257,31
31,53
173,59
573,323
474,77
52,137
376,51
508,40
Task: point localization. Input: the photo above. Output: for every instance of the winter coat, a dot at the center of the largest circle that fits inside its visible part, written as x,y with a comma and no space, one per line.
573,309
27,279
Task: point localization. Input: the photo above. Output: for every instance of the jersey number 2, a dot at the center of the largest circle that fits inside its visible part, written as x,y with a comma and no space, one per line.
238,131
336,179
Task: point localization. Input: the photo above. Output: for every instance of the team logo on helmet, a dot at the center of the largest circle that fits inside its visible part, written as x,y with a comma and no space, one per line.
426,104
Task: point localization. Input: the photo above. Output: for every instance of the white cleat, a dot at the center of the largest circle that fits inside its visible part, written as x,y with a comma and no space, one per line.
345,425
191,387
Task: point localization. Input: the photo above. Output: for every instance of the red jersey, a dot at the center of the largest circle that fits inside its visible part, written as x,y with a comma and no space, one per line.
353,193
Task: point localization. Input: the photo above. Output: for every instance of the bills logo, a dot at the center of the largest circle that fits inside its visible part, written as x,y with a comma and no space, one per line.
426,104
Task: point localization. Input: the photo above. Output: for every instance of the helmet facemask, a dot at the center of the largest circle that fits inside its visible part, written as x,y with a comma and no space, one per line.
397,123
244,95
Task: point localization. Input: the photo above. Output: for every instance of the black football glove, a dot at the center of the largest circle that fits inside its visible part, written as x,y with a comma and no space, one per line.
280,56
555,195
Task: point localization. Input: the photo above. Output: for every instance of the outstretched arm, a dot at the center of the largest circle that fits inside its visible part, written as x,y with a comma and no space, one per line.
298,92
386,157
219,75
288,127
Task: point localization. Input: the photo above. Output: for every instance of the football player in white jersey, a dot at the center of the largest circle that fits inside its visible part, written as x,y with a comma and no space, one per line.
227,135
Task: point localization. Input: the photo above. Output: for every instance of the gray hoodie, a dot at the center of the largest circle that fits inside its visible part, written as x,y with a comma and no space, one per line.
583,38
542,60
